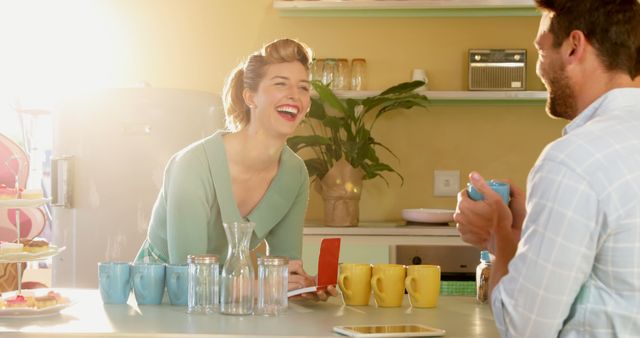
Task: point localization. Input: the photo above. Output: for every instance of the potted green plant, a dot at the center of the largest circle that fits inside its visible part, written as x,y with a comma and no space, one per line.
343,147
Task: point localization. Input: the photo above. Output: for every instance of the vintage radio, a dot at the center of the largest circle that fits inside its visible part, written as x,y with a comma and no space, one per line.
497,69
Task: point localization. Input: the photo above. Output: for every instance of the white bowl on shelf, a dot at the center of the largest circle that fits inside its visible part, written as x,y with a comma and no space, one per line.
422,215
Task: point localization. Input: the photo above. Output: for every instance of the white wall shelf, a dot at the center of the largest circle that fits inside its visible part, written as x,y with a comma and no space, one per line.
466,97
405,8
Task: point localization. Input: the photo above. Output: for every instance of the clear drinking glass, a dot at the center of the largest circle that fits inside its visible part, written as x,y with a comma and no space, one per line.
358,74
273,280
236,287
203,283
343,79
316,69
329,71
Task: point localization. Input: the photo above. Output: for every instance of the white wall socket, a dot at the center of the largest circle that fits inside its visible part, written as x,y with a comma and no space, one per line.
446,182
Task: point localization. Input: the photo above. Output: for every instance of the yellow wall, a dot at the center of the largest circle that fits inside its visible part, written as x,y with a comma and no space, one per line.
194,44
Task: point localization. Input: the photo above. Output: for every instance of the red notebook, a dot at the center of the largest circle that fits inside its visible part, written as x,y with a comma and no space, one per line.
327,266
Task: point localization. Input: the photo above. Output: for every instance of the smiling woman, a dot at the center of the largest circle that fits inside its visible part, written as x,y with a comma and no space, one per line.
244,173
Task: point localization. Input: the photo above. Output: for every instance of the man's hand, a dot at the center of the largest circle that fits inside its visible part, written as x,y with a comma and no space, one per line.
480,223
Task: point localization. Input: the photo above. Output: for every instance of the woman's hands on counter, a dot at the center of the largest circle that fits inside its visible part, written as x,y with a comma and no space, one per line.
321,295
298,278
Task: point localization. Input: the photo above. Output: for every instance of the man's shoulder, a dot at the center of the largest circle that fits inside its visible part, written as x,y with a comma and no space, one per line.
590,151
567,149
594,137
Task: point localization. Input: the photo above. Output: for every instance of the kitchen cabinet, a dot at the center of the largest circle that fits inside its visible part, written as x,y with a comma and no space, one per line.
405,8
374,242
386,233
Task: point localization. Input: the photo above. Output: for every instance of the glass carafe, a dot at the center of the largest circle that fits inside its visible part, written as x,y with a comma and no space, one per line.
237,277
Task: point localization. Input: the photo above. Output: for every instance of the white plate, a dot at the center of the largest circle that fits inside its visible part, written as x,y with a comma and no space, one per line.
428,215
23,256
29,312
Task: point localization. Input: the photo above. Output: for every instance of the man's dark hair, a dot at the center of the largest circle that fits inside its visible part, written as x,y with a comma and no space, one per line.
611,26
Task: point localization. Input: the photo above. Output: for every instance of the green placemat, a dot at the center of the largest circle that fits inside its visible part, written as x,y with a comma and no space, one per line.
458,288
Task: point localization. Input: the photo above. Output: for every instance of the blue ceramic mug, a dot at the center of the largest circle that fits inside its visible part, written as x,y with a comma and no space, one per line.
500,187
177,284
148,282
114,281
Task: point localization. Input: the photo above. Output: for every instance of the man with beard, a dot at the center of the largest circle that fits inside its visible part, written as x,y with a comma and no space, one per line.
567,257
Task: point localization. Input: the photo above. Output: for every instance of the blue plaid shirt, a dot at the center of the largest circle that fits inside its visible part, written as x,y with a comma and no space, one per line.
577,269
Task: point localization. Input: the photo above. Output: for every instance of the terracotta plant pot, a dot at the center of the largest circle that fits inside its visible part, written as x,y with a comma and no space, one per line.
340,189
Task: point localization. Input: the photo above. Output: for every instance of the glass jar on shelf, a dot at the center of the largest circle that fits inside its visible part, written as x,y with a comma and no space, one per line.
329,71
358,74
343,79
316,69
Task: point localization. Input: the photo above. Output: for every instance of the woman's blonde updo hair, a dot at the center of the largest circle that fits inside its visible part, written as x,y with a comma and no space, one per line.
249,74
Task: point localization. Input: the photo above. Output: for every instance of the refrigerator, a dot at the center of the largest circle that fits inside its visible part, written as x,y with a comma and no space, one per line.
110,148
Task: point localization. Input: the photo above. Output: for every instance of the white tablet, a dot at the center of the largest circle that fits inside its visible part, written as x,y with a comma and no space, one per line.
400,330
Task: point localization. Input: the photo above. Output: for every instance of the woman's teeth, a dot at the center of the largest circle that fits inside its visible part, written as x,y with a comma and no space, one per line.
292,111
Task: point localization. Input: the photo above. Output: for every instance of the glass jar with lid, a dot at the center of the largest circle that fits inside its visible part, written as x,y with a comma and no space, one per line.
273,274
203,283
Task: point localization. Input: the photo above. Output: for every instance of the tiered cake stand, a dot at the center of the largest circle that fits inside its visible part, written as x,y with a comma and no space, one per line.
21,257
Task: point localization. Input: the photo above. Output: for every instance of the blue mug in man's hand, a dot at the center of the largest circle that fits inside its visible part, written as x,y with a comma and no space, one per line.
501,188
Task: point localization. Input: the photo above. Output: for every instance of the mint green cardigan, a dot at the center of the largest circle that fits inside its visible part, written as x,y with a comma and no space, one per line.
196,198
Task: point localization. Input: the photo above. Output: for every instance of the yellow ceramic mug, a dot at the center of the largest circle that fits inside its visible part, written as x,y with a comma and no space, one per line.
423,285
388,284
355,283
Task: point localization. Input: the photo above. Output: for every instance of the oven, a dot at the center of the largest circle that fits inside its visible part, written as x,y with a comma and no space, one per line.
457,262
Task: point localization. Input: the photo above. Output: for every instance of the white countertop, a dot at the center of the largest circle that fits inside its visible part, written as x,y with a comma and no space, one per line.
88,317
389,233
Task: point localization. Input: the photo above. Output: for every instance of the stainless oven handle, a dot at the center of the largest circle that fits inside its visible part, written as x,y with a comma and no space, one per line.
62,181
